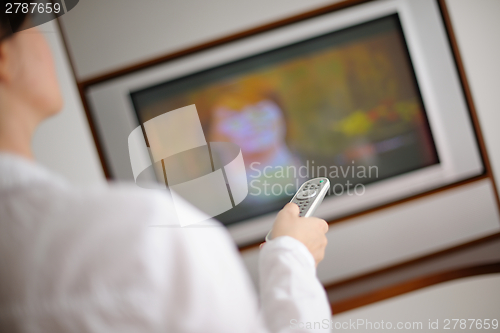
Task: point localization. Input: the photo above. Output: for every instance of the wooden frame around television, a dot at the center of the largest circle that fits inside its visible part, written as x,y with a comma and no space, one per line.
397,274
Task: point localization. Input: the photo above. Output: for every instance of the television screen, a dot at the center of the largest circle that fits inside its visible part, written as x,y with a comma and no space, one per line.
344,105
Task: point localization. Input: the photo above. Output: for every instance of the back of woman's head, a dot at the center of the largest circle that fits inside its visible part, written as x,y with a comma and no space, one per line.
10,20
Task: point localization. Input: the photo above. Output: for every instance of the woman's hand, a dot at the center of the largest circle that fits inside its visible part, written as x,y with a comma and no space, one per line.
310,231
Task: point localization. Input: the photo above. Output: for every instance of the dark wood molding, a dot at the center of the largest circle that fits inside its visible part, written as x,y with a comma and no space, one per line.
413,285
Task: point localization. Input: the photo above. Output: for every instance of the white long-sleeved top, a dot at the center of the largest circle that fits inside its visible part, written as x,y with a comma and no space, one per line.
104,260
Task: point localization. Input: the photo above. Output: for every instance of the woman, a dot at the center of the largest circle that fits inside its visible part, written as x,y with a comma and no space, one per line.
86,260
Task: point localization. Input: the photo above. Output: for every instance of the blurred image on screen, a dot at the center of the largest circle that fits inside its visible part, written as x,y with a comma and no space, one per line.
347,98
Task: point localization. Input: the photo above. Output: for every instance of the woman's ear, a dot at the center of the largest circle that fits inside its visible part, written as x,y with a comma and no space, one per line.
2,59
5,61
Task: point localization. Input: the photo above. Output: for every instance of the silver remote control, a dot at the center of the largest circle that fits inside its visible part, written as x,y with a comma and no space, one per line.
309,197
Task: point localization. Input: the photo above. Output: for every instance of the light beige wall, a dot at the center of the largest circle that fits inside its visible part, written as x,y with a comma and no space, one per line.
141,30
477,28
64,143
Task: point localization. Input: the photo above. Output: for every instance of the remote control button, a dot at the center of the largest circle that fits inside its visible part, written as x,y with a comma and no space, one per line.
306,194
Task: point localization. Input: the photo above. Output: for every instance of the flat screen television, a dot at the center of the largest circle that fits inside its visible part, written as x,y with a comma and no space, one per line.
367,96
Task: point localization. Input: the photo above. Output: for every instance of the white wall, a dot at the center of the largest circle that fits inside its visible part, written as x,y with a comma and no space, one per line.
477,28
469,298
141,30
64,143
